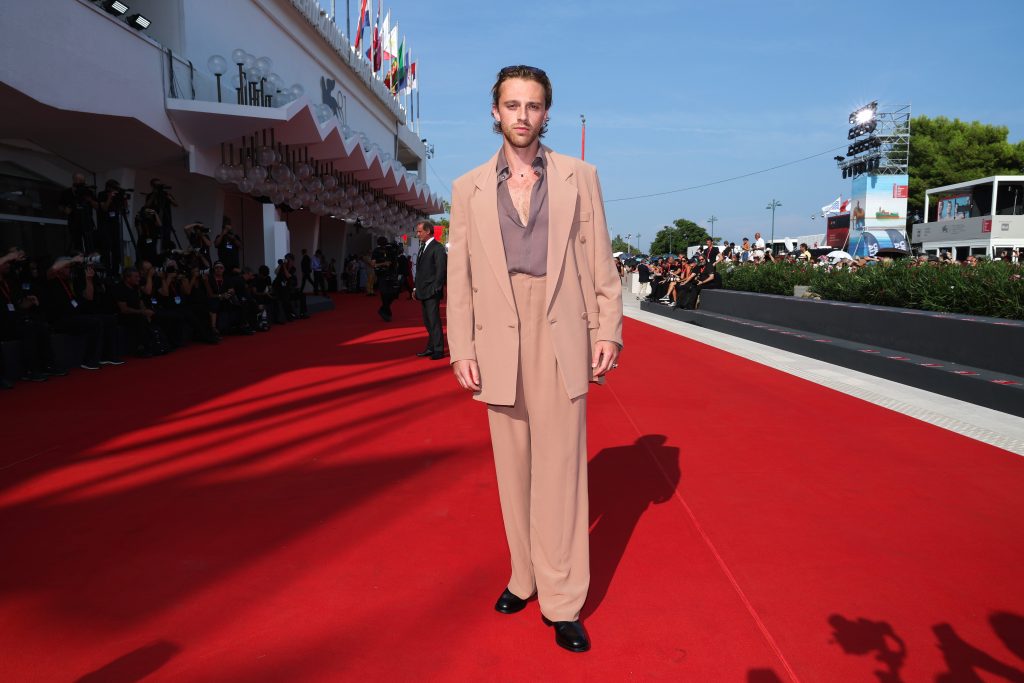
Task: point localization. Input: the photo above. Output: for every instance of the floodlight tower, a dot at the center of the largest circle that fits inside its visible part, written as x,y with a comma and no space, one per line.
879,141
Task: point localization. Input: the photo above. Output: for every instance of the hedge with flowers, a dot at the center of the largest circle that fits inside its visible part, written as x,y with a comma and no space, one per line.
992,288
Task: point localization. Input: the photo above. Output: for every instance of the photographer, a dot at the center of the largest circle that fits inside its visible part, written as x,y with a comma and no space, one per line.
249,308
286,287
78,203
229,246
167,300
161,200
20,321
198,236
263,291
146,337
70,310
384,260
113,201
219,295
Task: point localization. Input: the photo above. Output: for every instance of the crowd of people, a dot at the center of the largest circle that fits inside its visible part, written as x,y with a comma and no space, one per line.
173,293
143,311
677,281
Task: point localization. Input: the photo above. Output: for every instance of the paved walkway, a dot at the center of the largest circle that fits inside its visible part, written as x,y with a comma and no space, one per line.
983,424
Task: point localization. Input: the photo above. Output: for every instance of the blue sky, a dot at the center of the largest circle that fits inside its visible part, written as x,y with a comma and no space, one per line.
684,93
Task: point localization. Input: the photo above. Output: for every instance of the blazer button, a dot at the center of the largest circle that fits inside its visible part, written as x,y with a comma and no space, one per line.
583,315
512,325
479,326
552,321
475,290
583,238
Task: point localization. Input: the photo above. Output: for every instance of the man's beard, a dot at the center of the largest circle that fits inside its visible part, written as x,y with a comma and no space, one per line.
532,135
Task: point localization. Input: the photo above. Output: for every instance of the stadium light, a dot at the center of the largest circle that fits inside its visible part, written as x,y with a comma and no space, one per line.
864,114
118,9
138,22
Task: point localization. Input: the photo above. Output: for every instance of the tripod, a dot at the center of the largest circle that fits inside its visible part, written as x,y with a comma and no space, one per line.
124,224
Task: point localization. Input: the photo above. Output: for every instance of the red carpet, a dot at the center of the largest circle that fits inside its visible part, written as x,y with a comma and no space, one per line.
316,504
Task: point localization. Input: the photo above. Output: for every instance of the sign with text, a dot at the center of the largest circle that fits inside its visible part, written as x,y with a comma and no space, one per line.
879,206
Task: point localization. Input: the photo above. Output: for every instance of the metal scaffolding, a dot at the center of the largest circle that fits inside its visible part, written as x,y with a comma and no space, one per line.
886,149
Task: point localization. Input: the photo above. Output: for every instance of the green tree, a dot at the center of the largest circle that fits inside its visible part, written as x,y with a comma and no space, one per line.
619,244
677,237
943,152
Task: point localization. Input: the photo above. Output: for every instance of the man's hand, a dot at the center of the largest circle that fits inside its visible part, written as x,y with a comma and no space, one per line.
467,372
148,314
606,355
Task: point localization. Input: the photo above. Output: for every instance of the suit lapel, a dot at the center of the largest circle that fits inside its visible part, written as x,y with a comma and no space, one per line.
485,213
562,196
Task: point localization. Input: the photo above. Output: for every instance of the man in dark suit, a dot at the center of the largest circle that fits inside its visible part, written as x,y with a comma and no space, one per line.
431,268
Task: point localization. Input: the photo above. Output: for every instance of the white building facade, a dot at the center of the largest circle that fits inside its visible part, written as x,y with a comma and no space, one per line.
314,153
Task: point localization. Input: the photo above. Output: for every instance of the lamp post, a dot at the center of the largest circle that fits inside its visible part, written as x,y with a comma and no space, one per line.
628,238
774,205
583,138
638,243
712,221
218,66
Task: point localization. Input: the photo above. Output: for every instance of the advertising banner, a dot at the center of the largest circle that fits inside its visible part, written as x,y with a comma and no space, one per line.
837,231
878,213
954,207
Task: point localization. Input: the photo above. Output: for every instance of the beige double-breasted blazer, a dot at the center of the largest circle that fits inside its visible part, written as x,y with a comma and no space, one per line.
584,295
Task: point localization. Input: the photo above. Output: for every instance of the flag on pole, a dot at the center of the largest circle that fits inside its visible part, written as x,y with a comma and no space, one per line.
364,22
394,76
389,37
403,76
833,207
845,207
402,64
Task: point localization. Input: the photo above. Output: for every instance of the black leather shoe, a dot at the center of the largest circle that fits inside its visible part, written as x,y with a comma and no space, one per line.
509,603
437,356
424,354
569,635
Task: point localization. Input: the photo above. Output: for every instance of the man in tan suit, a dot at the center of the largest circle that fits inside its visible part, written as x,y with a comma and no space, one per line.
535,316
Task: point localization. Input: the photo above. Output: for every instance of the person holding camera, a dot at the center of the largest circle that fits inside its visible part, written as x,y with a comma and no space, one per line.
20,321
174,295
229,246
70,308
161,200
384,260
144,335
249,308
78,203
198,236
263,291
286,284
219,295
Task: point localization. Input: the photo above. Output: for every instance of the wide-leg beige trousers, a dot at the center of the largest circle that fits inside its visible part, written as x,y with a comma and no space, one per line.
540,455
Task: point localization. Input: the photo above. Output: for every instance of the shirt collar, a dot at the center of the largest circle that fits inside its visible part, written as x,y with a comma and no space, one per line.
540,163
